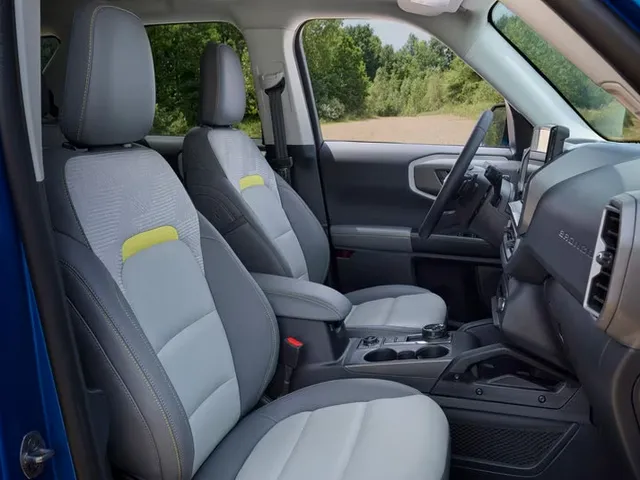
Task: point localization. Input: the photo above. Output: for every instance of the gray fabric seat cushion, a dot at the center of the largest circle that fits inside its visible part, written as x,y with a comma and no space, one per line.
394,308
344,429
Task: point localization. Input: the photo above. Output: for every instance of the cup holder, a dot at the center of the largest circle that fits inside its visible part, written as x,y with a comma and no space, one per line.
381,355
432,351
407,355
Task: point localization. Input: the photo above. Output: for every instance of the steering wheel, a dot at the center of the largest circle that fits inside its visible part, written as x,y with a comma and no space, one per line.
454,180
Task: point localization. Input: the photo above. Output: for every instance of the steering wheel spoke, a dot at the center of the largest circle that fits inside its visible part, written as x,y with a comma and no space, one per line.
455,178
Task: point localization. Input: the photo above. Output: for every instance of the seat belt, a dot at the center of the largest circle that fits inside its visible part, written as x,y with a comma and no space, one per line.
273,85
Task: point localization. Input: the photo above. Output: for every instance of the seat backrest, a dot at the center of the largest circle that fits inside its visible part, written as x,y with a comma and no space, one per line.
264,220
169,323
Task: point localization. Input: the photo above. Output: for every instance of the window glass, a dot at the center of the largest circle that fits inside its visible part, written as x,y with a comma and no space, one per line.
600,110
384,81
176,55
48,47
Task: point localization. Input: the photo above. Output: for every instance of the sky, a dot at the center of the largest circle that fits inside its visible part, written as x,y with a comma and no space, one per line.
390,32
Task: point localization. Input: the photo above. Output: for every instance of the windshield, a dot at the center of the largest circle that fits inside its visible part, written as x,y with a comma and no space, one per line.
599,109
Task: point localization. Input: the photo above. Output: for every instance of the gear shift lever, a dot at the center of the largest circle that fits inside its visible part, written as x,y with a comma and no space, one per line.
435,331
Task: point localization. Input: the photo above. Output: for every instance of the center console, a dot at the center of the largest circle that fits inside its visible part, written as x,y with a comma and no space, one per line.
419,360
509,411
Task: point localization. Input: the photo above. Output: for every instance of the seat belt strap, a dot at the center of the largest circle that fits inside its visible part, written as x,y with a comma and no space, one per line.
273,85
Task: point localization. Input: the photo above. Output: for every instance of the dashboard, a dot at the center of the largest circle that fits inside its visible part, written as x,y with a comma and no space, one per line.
570,292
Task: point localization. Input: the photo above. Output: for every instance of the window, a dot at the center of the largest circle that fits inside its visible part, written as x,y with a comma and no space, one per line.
176,55
383,81
48,47
598,108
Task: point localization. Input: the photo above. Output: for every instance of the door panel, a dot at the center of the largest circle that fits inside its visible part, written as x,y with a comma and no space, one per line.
368,183
377,195
427,174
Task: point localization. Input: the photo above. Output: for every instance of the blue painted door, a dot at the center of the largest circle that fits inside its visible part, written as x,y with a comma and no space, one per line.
28,399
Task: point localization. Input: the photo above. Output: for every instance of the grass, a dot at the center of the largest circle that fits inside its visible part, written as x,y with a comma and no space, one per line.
471,111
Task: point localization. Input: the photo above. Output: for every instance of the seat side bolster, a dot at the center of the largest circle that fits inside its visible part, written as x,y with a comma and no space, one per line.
247,316
311,236
221,204
127,369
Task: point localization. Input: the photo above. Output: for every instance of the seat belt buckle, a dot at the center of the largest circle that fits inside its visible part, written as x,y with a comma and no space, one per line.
289,358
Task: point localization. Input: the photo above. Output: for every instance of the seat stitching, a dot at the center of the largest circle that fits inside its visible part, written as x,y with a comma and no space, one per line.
215,389
129,349
210,196
355,441
295,445
313,300
278,237
119,379
265,306
391,309
292,194
70,202
190,324
147,344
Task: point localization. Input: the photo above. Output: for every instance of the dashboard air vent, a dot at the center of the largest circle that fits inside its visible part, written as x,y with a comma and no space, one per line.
606,249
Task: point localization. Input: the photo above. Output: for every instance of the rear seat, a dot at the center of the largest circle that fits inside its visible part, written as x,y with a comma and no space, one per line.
51,134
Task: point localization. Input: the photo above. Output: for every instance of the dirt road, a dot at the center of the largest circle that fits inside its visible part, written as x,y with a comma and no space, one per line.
430,129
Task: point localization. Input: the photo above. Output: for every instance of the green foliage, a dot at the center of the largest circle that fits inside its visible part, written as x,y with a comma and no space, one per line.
352,73
575,85
48,46
355,76
600,109
176,55
422,85
370,45
337,69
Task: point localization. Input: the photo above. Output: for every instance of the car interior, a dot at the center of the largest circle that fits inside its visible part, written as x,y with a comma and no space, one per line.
293,300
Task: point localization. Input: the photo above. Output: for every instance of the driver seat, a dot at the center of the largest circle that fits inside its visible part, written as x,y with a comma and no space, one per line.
264,220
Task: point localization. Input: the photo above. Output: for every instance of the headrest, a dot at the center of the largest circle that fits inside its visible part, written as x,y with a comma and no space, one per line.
109,91
222,92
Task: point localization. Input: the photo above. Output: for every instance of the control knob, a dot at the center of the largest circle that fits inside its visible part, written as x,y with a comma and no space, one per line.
434,331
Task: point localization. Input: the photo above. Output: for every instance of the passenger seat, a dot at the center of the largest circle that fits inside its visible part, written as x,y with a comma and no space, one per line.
264,220
171,325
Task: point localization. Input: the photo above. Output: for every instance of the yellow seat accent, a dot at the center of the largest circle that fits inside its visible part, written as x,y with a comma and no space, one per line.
251,181
147,239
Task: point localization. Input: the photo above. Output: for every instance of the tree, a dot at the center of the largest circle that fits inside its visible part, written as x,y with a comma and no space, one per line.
176,54
337,69
370,45
566,77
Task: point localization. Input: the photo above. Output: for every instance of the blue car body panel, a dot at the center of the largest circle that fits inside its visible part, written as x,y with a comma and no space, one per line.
628,10
28,398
